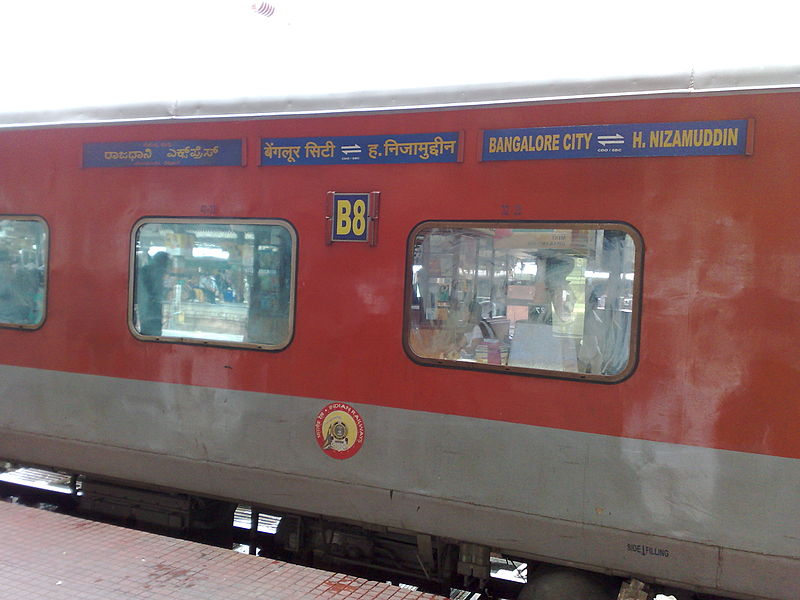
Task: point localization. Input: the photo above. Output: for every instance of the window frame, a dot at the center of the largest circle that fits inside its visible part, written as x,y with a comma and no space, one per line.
581,225
287,225
45,282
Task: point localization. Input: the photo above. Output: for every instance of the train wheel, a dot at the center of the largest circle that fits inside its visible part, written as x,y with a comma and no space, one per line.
558,583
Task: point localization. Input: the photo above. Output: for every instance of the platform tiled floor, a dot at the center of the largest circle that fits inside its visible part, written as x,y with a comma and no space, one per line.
48,556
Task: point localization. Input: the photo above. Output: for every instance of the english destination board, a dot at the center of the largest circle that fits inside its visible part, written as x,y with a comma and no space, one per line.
695,138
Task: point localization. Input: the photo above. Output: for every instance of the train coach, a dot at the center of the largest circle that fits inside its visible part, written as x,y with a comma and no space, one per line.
558,330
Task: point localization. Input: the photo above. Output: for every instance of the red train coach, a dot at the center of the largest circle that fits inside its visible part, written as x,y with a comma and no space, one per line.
558,330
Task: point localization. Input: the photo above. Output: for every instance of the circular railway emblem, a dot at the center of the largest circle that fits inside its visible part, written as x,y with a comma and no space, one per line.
339,430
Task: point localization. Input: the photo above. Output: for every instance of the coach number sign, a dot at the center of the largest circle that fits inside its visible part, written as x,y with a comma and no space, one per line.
352,217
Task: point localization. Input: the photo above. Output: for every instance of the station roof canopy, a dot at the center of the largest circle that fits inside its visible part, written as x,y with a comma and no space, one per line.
95,61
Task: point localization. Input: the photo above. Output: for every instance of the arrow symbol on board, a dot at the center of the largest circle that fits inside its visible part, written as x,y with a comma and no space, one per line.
610,139
354,149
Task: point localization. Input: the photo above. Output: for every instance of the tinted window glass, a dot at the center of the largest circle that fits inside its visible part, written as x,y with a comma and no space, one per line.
220,282
557,297
23,271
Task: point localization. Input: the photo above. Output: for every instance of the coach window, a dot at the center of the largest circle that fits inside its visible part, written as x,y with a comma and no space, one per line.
557,299
225,283
23,271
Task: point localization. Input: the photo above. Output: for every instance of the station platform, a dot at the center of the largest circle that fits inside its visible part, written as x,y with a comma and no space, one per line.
51,556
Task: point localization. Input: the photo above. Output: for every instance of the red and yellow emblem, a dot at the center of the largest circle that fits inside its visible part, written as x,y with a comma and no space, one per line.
339,430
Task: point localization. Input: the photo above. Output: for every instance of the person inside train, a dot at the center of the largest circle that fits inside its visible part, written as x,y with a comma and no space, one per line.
209,286
150,294
224,288
481,330
195,291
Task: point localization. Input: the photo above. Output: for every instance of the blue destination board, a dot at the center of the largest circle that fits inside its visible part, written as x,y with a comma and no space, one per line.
362,149
696,138
168,153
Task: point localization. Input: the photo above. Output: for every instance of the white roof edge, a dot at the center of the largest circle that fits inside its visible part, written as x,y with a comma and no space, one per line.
777,78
